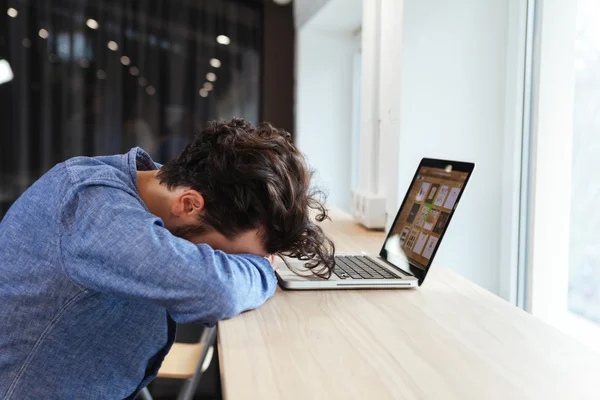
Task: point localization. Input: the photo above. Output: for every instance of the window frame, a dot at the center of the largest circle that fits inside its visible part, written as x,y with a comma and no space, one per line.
550,167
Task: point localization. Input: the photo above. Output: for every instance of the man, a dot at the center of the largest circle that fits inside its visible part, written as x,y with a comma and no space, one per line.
101,256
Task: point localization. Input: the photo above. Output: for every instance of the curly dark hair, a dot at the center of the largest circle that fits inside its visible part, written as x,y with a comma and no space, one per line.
255,178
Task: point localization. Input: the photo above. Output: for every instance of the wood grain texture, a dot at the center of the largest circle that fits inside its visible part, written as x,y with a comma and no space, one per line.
449,339
181,361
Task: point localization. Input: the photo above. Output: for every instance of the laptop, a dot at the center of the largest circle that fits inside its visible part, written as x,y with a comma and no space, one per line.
411,244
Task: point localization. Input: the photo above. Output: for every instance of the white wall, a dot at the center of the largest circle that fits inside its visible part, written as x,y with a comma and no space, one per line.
458,71
324,109
304,10
453,92
324,74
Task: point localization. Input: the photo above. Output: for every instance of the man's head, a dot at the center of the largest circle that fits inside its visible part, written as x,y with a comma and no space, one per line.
246,189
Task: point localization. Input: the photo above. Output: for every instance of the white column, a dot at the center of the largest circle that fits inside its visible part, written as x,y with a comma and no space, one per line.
369,124
390,63
380,112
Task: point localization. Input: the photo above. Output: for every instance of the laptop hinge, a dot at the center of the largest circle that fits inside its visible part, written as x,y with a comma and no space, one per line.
395,267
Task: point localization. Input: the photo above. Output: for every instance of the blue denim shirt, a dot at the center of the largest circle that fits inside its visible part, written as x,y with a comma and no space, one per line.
91,283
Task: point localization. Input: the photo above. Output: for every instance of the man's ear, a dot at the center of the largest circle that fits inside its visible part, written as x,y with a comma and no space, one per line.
188,203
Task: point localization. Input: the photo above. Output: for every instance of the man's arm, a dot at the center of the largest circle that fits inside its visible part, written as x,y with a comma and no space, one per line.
111,244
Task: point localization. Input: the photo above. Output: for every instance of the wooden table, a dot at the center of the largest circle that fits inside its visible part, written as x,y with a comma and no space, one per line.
449,339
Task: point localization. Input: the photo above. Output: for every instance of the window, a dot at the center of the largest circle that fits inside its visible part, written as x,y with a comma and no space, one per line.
564,267
584,244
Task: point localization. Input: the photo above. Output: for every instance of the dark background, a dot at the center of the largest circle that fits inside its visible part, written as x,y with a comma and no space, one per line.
71,95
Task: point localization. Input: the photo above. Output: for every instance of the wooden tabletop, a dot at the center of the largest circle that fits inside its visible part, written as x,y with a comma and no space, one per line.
448,339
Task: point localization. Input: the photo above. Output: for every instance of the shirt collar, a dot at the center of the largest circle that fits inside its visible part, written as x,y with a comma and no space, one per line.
139,160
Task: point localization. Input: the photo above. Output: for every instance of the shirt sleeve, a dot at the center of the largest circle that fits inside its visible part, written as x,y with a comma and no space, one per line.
110,243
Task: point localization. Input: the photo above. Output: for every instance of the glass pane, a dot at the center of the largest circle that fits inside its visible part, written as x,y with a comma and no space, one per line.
584,269
95,77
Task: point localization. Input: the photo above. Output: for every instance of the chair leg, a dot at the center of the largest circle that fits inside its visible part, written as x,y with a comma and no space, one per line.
189,387
144,394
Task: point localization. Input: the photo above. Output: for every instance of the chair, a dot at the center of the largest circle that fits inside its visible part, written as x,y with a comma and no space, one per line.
187,361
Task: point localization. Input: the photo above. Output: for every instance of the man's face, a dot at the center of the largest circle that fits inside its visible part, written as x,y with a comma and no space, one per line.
249,242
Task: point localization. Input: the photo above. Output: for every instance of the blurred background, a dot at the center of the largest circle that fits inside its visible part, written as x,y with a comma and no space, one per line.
96,77
367,88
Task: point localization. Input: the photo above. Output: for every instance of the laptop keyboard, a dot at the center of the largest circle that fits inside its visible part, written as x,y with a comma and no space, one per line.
361,267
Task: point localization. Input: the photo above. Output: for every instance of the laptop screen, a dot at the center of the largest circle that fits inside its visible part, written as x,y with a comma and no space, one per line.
425,213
